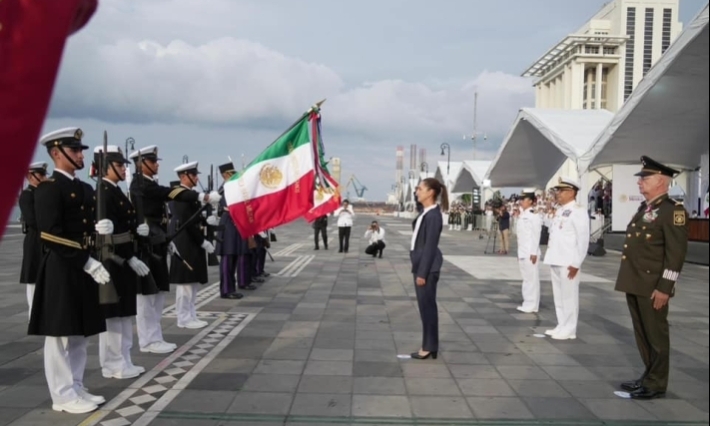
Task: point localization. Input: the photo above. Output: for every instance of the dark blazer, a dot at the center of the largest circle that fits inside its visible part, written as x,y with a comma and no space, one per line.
229,240
426,256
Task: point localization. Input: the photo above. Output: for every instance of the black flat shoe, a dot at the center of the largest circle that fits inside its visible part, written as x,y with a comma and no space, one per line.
316,248
631,386
258,280
249,287
646,394
432,355
232,296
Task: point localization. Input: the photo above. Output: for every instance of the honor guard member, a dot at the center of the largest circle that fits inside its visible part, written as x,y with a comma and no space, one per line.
115,344
528,230
566,251
146,190
189,272
227,241
654,253
66,302
31,246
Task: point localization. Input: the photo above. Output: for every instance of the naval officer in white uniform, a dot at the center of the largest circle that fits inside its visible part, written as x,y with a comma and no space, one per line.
528,231
566,251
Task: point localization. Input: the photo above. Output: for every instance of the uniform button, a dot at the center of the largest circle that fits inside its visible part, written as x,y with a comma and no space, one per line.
73,195
120,203
648,272
633,225
82,207
626,246
623,257
84,220
628,235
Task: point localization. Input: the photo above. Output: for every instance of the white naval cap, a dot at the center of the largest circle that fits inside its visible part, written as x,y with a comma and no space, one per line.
568,182
69,137
113,154
38,167
190,167
150,152
109,148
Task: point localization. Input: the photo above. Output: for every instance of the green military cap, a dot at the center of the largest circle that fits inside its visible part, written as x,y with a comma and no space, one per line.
652,167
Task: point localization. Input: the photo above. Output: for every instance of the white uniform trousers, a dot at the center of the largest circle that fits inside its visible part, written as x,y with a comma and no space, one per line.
185,298
115,345
150,312
64,364
30,298
566,294
531,284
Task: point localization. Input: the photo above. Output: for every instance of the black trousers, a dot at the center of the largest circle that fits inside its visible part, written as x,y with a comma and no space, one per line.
429,312
323,234
652,339
344,237
375,248
227,270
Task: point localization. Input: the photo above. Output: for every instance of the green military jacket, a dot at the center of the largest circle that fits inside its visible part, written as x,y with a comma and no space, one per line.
655,248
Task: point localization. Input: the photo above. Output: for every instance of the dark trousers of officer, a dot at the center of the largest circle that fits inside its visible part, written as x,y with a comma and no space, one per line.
652,339
244,270
375,248
344,237
227,270
426,298
259,261
323,232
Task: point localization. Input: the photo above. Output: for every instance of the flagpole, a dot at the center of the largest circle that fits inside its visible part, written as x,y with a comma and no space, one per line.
305,114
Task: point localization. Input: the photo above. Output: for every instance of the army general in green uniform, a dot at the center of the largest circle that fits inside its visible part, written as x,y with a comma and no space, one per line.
653,257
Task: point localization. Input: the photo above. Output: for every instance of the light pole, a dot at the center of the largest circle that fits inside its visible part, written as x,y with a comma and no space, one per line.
445,147
184,159
424,167
132,143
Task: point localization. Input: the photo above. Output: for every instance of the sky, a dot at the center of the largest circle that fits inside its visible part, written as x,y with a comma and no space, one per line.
220,79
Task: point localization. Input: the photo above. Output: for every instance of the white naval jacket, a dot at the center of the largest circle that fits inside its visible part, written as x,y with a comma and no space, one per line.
374,237
528,228
569,236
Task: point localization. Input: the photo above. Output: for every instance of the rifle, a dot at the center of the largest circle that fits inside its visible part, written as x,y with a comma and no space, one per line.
210,230
147,284
103,243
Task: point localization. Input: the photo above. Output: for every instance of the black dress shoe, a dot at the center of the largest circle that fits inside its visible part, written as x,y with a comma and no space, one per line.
232,296
258,280
645,394
631,386
249,287
265,274
316,248
432,355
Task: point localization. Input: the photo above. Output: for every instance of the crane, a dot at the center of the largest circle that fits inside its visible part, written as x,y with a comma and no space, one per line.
357,186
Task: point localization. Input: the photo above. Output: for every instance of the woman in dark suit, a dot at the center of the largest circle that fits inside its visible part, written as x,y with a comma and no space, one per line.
427,260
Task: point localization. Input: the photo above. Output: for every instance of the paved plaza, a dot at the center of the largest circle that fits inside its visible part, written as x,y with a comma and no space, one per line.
318,344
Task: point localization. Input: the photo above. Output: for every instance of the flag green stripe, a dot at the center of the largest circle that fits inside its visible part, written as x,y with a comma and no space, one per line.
294,138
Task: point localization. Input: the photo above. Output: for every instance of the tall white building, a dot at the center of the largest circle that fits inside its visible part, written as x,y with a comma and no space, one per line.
599,65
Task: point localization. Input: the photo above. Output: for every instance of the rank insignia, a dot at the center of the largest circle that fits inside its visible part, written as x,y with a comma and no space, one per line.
679,218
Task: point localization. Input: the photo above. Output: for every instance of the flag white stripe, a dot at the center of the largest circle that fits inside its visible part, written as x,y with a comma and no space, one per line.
292,167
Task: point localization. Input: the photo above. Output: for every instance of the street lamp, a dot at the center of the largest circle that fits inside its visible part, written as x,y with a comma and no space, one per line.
446,147
424,167
132,143
184,159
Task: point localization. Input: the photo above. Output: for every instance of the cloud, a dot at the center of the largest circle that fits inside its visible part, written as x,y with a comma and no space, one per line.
238,82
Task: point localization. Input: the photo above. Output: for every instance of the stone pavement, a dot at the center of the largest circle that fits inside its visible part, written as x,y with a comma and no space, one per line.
317,344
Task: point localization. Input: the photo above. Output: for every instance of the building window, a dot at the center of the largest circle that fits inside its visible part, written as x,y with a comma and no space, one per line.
589,92
610,50
629,60
648,41
666,34
591,50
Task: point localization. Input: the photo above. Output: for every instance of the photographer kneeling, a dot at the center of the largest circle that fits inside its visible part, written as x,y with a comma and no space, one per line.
376,235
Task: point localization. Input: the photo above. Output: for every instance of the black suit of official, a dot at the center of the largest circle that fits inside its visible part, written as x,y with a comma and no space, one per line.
189,245
66,300
120,211
31,246
155,212
320,229
426,263
234,250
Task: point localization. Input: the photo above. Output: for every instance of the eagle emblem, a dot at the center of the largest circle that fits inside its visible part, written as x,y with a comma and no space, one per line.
270,176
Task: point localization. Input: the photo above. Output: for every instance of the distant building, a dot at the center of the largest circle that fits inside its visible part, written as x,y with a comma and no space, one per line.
335,169
599,65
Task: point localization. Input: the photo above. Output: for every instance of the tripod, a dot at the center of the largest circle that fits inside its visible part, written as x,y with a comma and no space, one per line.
492,234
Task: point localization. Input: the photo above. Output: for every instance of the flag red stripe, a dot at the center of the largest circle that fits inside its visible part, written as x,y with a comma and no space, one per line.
278,208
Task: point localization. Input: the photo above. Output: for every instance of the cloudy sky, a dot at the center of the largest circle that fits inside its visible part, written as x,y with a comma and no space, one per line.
218,78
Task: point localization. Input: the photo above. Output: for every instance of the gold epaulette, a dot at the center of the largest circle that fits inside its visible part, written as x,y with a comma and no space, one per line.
174,193
59,240
47,180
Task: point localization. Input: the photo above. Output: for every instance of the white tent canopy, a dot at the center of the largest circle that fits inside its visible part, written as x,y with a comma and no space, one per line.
470,176
666,116
539,143
445,177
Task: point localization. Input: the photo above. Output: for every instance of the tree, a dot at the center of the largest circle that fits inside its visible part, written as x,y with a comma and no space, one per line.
466,199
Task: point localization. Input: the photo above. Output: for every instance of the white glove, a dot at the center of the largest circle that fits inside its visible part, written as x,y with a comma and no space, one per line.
201,196
143,230
213,220
209,248
215,197
172,249
139,267
97,271
104,227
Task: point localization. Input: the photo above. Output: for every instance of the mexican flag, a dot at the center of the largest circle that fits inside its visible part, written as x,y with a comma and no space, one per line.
326,195
277,186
